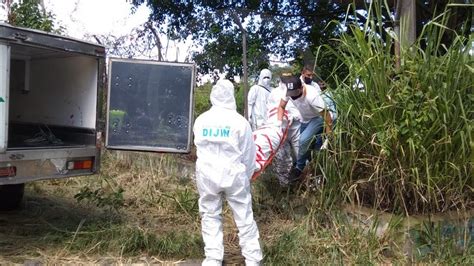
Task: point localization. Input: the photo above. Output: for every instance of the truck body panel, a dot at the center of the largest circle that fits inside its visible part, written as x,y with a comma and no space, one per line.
150,105
51,103
50,87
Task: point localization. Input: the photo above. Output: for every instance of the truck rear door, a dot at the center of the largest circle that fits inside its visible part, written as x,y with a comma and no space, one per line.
4,84
150,105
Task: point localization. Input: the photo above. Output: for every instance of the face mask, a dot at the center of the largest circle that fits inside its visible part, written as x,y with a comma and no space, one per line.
266,82
308,80
296,97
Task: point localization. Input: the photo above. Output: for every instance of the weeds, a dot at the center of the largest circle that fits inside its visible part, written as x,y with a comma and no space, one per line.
159,220
185,201
102,198
402,142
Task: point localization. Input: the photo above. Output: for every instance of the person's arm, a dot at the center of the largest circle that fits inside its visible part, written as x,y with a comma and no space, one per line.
326,115
251,98
248,151
281,109
319,105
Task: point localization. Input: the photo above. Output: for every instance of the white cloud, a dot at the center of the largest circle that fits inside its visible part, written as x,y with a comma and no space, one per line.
96,16
104,17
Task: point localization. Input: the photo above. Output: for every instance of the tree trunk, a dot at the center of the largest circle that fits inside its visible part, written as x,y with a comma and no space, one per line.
157,40
244,62
43,8
244,67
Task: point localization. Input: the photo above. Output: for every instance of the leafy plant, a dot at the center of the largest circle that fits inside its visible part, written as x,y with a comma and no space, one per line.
102,197
185,201
202,102
30,14
403,140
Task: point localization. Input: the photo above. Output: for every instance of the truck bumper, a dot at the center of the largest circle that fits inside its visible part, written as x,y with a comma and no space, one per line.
31,165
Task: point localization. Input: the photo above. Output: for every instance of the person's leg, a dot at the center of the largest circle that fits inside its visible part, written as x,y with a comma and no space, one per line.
240,201
294,139
210,209
308,133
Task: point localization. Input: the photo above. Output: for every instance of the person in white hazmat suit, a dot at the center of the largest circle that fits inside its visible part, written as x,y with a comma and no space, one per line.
224,166
257,99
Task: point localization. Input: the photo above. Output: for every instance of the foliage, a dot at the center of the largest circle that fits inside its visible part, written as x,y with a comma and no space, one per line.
403,141
169,245
441,241
288,30
30,14
295,228
225,54
105,196
185,201
202,102
141,42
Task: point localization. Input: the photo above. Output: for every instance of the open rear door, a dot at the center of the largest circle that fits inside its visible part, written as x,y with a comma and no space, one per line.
4,84
150,105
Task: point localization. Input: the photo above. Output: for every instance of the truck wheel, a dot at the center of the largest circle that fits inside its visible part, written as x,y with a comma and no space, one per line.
11,196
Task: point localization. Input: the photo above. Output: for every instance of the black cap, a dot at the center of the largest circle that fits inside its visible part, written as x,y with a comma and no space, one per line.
292,84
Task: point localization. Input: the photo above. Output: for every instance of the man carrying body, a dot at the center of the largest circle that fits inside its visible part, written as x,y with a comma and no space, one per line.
288,152
307,78
314,116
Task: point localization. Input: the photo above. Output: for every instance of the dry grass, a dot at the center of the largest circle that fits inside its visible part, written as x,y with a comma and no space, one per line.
157,222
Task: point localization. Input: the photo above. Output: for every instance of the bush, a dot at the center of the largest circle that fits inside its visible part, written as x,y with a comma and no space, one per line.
403,141
202,102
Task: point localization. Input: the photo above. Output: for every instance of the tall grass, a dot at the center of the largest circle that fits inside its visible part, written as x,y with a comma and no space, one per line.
203,103
403,142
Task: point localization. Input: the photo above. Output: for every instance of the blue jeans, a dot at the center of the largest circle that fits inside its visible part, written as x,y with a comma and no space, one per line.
310,132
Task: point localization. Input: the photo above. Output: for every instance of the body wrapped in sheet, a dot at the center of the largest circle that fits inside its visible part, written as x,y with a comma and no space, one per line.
268,140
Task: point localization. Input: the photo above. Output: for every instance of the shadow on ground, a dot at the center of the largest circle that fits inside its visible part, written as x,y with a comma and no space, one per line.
43,223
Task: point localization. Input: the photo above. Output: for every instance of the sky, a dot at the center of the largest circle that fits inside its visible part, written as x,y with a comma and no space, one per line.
102,17
96,16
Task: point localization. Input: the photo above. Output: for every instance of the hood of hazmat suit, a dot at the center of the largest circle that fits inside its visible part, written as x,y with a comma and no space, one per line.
265,78
222,95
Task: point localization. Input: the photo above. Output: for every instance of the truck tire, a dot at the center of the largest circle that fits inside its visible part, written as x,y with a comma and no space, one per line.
11,196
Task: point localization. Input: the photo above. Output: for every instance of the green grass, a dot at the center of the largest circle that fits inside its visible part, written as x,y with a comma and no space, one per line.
158,222
403,143
202,102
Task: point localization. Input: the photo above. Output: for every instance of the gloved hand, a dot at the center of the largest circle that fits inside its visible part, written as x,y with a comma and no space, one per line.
325,144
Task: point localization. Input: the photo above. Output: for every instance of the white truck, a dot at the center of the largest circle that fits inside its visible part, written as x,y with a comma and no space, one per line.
52,104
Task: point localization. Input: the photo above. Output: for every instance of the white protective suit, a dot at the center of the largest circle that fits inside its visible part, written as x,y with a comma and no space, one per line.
224,166
257,99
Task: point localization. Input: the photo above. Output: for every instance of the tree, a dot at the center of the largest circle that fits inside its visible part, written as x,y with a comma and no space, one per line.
285,29
288,29
225,54
32,14
282,28
142,42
